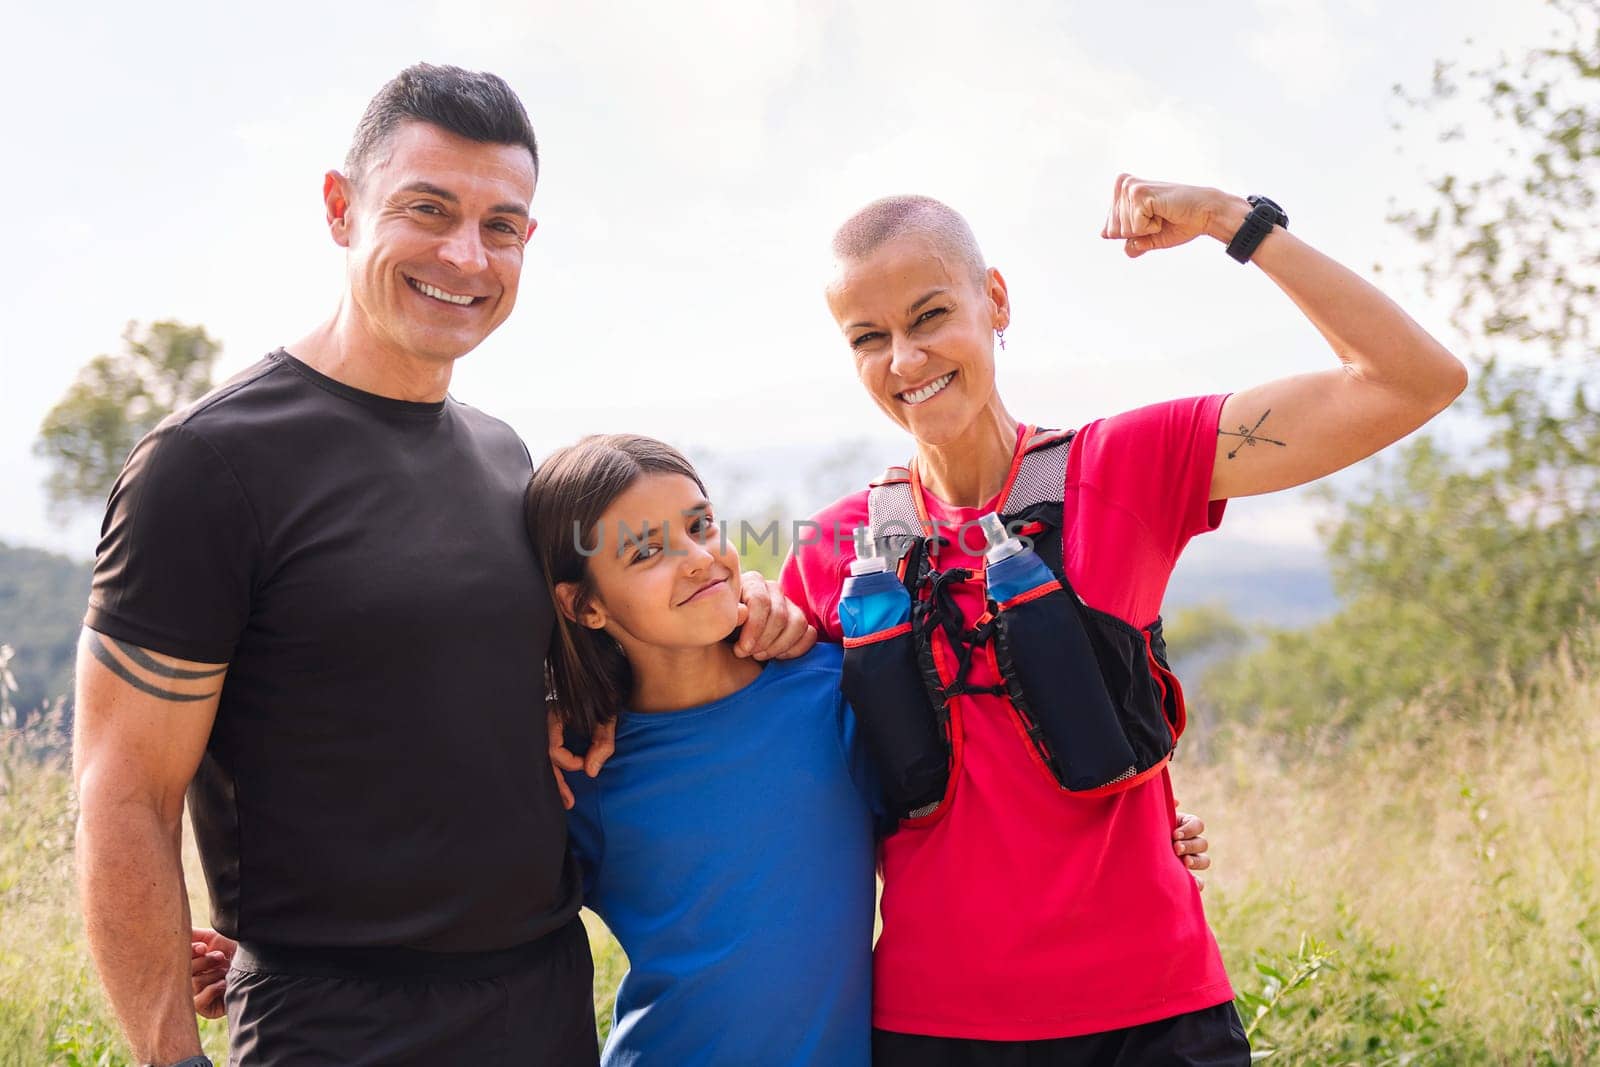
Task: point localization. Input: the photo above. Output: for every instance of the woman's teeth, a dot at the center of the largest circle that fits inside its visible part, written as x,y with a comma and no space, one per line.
929,391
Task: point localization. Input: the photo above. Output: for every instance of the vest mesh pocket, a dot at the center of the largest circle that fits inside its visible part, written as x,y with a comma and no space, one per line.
1055,683
909,748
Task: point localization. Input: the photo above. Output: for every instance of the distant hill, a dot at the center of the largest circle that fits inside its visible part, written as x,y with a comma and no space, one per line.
1257,582
1261,582
42,597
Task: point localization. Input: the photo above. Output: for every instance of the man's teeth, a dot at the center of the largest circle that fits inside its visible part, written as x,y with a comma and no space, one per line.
440,294
928,391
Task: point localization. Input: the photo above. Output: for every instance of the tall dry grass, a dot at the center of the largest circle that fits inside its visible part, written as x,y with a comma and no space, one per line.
51,1007
1447,857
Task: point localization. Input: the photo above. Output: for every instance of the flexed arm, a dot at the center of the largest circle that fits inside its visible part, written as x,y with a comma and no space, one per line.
1392,375
140,727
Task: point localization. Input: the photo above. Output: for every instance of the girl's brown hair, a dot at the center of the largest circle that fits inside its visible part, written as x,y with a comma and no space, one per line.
586,672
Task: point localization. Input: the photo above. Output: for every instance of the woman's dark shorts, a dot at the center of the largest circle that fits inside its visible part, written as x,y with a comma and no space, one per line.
1212,1037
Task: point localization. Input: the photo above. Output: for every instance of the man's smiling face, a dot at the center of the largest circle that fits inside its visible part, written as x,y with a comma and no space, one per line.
435,231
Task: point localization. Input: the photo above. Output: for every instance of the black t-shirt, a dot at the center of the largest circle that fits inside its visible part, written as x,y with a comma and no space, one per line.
377,773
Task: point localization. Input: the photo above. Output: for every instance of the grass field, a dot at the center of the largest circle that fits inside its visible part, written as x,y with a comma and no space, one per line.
1425,893
1443,869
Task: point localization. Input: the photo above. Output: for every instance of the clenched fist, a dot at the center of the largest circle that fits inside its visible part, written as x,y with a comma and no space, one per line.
1146,216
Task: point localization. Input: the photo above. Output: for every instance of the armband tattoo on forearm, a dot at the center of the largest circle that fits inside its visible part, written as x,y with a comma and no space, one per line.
1250,435
144,672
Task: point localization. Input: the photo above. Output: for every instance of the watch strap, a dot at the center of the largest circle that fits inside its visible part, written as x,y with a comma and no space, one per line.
1264,215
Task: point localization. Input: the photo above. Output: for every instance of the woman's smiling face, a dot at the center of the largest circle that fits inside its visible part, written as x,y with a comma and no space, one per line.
921,324
662,574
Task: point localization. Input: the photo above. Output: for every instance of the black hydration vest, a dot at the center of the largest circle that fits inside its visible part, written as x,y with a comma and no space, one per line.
1094,696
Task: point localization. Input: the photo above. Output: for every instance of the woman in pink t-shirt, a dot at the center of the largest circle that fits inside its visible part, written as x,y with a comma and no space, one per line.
1023,922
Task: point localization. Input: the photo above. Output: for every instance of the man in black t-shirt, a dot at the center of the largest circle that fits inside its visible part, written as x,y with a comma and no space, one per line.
315,611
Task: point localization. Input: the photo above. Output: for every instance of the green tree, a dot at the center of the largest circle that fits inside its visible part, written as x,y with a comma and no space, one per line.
116,400
1457,566
41,609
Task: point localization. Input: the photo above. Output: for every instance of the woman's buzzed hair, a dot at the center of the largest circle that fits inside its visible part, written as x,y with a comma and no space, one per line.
883,220
473,104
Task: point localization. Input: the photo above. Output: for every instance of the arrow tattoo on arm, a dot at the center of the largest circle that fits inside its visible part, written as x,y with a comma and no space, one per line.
1248,435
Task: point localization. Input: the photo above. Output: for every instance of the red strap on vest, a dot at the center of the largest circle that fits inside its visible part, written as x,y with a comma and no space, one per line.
1044,438
891,476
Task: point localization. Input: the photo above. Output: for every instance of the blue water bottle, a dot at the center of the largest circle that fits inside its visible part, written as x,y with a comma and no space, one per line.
874,599
883,682
1013,568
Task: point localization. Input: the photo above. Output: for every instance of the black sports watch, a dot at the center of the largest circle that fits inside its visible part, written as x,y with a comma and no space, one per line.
193,1061
1264,215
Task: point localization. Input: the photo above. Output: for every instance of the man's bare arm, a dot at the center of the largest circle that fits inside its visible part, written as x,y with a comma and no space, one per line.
140,727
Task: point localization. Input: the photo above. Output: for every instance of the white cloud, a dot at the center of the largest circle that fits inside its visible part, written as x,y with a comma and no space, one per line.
1300,45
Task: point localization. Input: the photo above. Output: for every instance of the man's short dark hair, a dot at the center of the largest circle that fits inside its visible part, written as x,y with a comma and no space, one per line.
472,104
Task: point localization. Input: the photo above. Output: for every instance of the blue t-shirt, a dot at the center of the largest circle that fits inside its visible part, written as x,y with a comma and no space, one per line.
729,848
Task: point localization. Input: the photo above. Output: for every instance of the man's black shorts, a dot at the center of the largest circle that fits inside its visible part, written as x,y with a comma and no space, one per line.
529,1006
1212,1037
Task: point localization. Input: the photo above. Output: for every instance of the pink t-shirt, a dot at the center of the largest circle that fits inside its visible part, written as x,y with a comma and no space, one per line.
1026,913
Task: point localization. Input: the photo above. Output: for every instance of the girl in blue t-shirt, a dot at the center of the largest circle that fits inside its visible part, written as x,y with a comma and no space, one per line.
728,844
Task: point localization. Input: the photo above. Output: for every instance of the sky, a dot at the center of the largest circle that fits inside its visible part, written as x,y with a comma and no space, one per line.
166,161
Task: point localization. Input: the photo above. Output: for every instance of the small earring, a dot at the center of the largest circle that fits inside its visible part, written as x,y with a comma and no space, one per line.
1000,335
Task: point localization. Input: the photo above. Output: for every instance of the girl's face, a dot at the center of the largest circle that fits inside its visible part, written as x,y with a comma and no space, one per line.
661,574
922,331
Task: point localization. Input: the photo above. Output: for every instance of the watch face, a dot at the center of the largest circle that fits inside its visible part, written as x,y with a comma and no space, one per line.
1283,216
